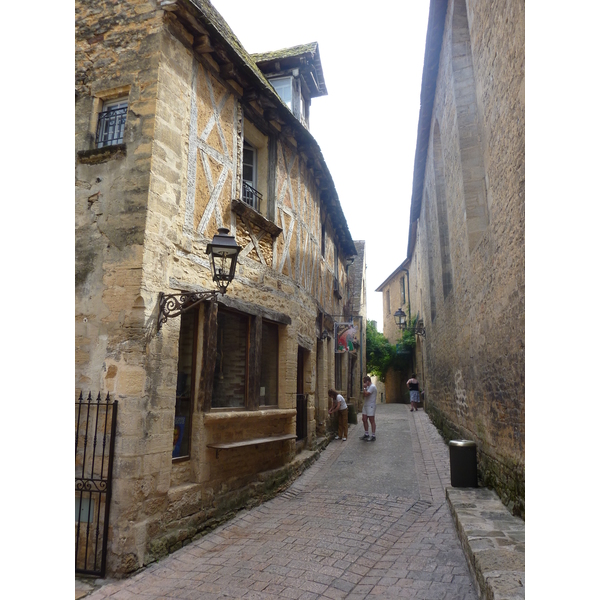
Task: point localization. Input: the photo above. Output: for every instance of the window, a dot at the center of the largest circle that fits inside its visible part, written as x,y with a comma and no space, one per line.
283,87
250,195
403,290
255,168
269,364
323,230
229,385
185,376
247,362
111,123
388,302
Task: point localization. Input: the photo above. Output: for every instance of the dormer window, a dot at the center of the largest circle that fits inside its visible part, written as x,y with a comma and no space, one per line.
283,87
296,76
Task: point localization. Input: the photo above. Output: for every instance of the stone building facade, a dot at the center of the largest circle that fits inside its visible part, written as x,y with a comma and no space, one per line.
396,295
180,133
466,239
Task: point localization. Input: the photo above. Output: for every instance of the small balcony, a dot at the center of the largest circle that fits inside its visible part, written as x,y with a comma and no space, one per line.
251,196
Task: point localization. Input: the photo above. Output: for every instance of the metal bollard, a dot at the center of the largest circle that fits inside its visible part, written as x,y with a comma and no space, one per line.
463,463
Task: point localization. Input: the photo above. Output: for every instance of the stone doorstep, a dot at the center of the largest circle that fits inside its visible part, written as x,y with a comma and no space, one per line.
493,541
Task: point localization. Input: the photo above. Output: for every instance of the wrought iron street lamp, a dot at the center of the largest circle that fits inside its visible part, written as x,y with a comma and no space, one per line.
401,322
223,252
400,318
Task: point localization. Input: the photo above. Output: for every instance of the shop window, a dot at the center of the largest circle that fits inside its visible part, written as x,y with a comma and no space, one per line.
231,367
185,377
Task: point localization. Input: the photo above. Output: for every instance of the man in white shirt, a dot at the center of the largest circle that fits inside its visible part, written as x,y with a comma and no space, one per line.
368,412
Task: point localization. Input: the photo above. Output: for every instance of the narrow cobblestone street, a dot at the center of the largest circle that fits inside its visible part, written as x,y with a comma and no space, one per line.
367,519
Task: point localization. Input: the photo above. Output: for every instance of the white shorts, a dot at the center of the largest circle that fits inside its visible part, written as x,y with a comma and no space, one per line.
369,410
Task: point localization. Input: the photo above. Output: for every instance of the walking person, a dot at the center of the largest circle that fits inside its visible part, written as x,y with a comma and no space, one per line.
339,406
368,412
413,386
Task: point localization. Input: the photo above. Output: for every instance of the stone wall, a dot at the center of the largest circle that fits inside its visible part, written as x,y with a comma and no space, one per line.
145,211
467,272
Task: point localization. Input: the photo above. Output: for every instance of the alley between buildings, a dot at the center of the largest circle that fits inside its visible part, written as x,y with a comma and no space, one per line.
367,519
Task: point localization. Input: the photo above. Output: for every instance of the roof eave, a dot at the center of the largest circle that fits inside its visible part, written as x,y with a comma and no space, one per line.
433,46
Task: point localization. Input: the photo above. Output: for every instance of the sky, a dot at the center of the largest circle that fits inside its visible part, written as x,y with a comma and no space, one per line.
372,57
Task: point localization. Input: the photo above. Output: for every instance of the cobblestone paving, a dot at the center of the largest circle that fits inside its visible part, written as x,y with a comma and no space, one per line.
366,520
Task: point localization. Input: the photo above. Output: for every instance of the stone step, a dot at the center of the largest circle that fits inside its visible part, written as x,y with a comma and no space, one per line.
493,540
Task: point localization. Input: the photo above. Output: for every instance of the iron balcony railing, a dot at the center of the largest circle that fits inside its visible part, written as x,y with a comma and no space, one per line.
111,125
251,196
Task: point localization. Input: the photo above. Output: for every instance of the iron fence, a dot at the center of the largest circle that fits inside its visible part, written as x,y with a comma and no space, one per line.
95,428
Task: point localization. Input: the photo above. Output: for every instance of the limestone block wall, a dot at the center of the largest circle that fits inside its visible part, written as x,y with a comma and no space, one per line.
145,211
470,279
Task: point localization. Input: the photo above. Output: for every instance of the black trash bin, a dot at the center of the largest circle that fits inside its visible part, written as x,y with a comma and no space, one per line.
463,463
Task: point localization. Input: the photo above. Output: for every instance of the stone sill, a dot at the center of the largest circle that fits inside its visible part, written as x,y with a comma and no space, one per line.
100,155
228,415
247,212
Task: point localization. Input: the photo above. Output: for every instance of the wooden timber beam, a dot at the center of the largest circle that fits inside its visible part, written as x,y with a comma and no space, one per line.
203,45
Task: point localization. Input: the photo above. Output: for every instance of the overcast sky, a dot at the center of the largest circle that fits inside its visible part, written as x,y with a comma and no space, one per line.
372,56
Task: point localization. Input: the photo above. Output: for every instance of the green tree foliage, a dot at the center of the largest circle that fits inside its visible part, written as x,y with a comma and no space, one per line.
382,356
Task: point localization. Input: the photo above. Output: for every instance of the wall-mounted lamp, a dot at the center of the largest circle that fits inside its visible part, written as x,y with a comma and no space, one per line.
401,322
223,251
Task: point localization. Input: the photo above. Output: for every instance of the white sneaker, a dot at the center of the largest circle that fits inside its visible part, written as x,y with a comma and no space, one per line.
343,439
337,437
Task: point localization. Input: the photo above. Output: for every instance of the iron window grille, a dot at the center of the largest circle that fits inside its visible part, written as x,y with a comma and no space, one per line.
111,124
251,196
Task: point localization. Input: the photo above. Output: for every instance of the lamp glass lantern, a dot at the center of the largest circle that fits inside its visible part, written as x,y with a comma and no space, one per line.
400,318
223,251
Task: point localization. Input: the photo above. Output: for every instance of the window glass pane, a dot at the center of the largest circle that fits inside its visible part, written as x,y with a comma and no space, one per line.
248,165
183,399
247,175
229,385
269,364
283,87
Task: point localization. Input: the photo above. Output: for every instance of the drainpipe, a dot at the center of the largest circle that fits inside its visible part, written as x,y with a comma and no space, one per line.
408,286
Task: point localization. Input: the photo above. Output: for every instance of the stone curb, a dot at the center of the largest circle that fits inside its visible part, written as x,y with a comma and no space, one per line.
493,541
